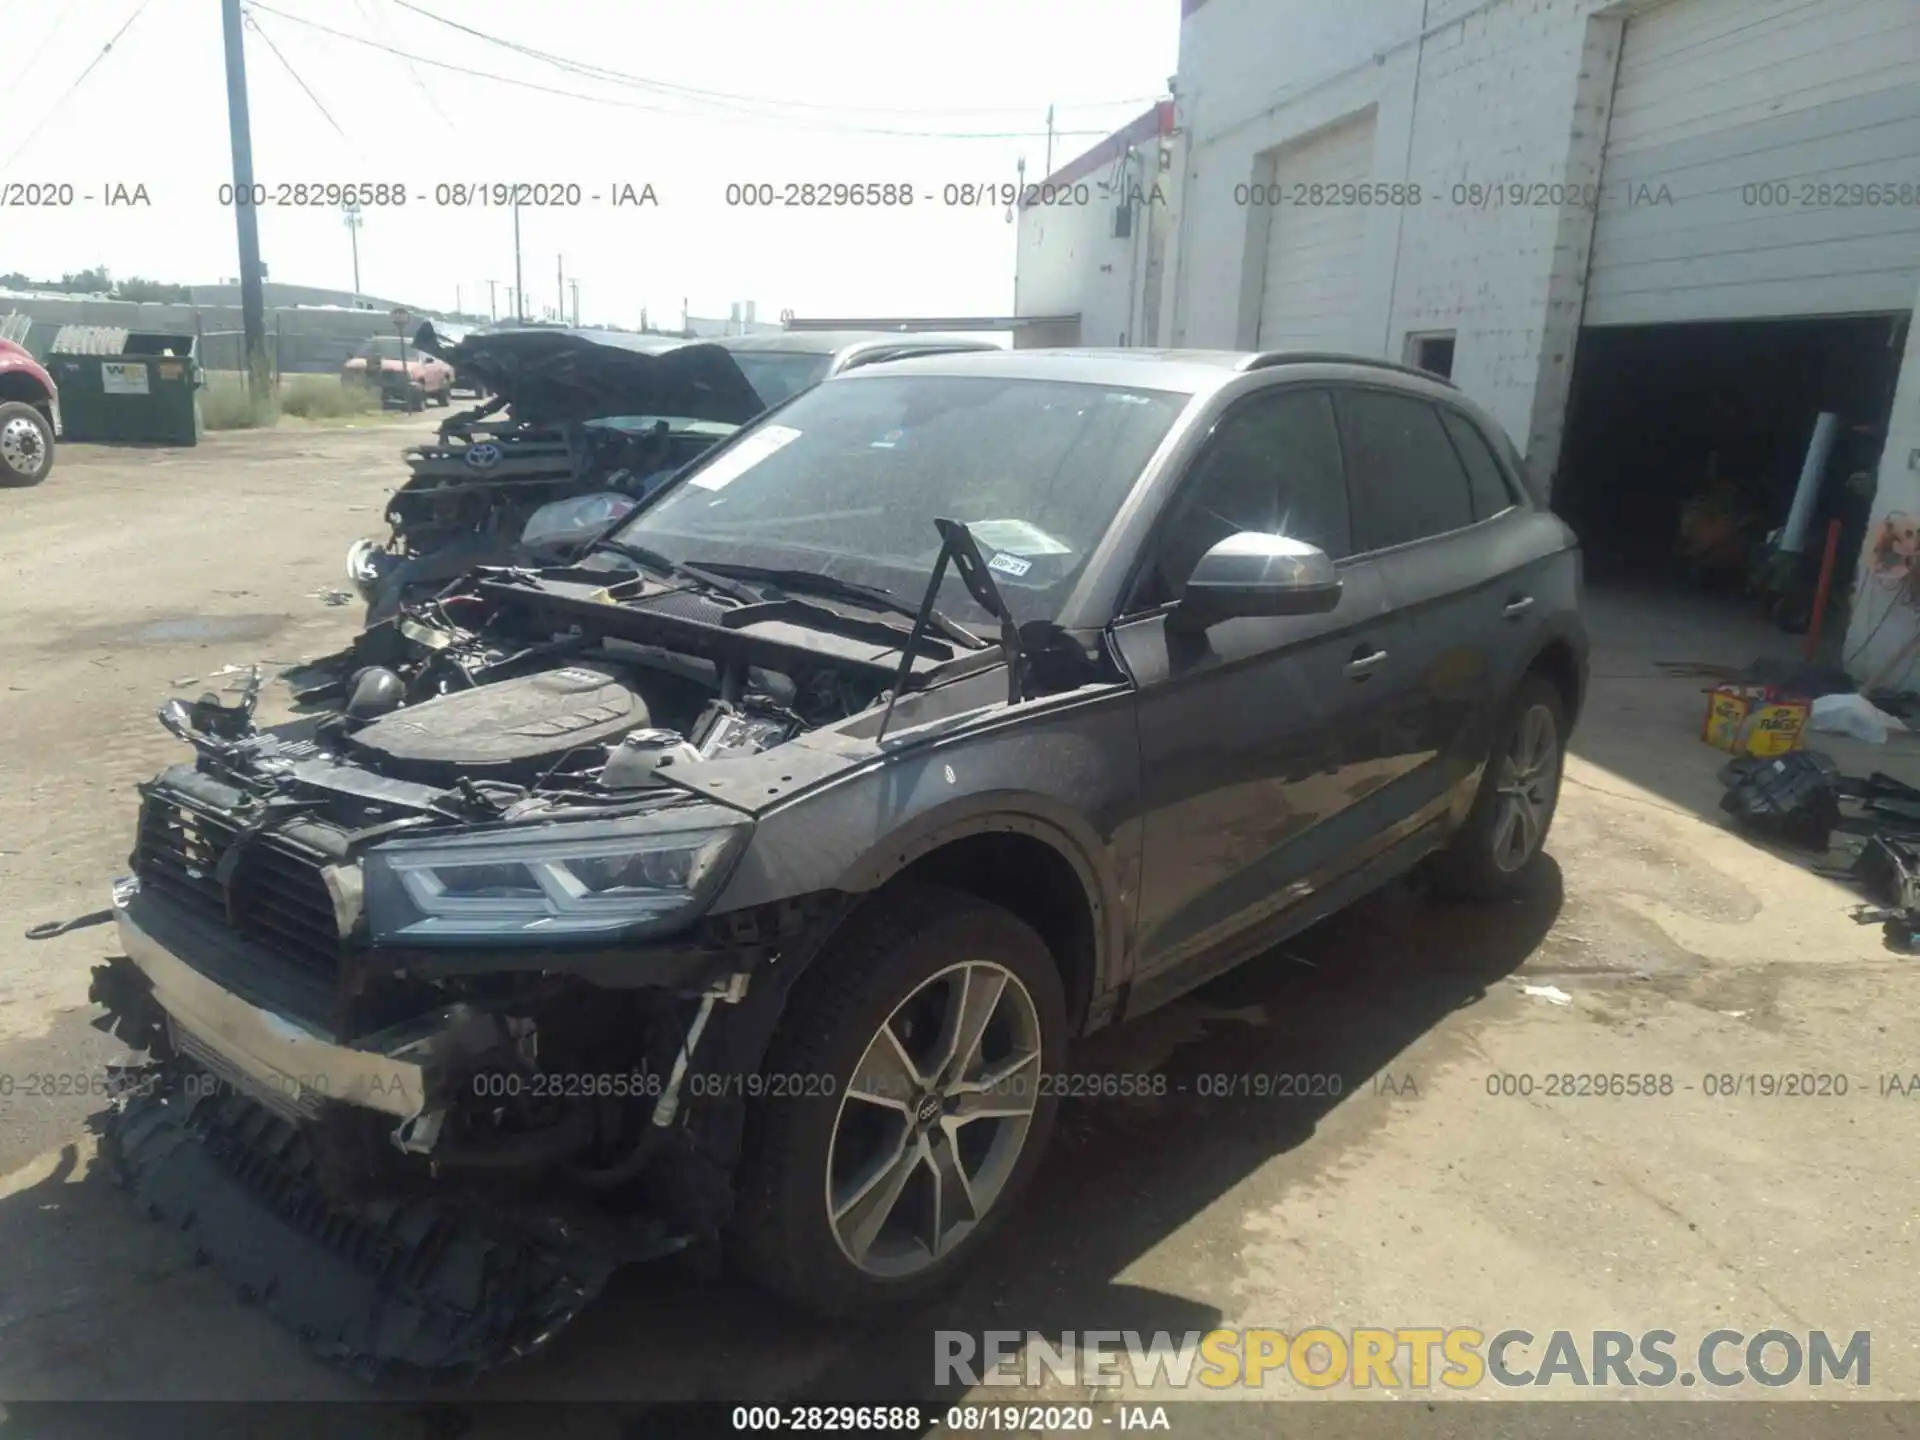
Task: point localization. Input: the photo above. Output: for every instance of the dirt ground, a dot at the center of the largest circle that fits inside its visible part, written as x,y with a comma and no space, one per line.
1419,1196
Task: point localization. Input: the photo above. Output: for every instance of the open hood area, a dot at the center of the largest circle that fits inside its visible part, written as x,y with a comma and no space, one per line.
553,374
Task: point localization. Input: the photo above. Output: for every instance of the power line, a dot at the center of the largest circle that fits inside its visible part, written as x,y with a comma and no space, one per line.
641,82
637,105
38,51
370,8
254,25
79,80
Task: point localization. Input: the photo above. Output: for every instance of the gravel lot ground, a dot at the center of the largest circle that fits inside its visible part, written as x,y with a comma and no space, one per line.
1415,1198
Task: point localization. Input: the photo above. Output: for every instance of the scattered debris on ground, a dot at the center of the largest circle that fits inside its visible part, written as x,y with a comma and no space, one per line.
1798,799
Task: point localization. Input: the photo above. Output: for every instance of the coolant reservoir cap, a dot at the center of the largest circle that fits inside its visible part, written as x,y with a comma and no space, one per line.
633,763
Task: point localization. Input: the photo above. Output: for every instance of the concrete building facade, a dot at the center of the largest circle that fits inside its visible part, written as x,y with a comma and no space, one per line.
1093,239
1494,181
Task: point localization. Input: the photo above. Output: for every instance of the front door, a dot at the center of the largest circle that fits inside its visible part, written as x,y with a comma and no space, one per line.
1256,738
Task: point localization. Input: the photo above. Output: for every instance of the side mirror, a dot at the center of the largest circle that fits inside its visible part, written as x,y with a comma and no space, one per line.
1256,574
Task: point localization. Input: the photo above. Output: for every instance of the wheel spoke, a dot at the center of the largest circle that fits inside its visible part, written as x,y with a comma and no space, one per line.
862,1215
886,1074
953,1202
901,1191
969,1011
1509,821
1004,1092
1525,830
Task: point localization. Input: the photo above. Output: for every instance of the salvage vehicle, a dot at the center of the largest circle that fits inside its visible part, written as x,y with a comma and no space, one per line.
403,374
580,425
741,885
29,416
782,364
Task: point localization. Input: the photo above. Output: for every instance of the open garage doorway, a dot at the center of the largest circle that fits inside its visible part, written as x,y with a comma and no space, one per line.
1685,445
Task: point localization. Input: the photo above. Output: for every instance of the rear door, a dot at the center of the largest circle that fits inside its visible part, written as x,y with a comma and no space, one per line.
1438,527
1256,736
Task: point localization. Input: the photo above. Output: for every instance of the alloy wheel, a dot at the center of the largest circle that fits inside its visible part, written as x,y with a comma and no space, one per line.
934,1119
21,447
1527,784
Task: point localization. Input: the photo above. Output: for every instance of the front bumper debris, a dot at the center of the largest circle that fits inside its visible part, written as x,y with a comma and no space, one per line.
284,1061
432,1285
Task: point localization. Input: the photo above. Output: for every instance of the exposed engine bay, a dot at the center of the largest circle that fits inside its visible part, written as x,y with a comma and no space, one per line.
410,1086
572,414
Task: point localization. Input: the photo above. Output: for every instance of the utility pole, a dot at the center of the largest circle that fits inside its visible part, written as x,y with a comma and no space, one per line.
574,285
458,309
351,212
560,281
1047,174
253,310
492,312
519,290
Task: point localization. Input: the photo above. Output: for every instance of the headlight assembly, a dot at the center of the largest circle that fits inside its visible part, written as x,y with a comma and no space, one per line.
557,882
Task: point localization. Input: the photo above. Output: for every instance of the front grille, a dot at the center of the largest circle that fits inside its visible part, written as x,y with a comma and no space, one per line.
276,894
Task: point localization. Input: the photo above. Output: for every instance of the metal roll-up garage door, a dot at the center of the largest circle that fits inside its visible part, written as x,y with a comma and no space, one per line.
1762,160
1310,297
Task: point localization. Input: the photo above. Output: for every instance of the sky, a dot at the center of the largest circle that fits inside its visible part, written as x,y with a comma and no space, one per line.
685,98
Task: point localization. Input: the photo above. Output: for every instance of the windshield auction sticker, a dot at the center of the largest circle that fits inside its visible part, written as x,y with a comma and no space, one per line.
739,458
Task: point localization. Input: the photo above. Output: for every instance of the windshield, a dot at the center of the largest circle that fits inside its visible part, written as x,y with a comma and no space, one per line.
386,350
778,375
848,479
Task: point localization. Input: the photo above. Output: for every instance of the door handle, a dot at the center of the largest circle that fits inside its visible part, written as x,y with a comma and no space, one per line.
1518,606
1364,663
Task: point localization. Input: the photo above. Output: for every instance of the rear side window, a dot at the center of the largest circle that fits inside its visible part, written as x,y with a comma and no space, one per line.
1491,493
1408,481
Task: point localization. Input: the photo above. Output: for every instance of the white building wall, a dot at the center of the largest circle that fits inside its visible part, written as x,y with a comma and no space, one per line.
1883,619
1068,260
1490,93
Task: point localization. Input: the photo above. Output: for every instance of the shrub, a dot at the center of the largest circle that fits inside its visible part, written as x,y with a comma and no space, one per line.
322,397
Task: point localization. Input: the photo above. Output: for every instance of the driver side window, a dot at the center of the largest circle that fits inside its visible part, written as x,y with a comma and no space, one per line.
1272,465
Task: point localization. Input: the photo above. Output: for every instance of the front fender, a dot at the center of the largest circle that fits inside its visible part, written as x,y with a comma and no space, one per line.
1063,770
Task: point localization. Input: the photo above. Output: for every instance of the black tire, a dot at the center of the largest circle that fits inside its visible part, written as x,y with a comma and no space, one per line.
781,1233
1472,867
27,436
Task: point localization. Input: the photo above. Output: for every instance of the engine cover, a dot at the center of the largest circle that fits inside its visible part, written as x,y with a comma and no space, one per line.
503,729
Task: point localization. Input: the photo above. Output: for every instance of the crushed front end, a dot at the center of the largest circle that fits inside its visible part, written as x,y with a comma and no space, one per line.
429,994
574,416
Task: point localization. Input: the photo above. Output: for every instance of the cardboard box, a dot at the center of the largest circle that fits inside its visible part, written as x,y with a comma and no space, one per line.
1754,720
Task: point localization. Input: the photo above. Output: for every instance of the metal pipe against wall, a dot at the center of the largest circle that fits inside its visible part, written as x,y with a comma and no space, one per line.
1819,449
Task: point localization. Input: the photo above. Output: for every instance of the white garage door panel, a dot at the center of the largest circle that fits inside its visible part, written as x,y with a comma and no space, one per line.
1714,96
1705,66
1312,289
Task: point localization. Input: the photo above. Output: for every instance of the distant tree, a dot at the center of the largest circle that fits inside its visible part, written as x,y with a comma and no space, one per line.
87,282
154,290
14,280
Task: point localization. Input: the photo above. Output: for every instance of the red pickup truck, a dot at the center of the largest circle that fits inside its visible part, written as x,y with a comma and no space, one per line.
29,415
405,375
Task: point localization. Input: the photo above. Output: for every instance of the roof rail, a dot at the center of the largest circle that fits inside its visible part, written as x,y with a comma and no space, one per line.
1267,359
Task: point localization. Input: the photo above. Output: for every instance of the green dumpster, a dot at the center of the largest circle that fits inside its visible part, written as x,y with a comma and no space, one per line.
127,385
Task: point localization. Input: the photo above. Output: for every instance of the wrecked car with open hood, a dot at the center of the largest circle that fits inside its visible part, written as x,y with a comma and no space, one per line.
741,883
579,425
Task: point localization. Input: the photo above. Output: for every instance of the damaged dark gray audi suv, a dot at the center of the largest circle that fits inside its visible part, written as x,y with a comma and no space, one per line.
741,884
